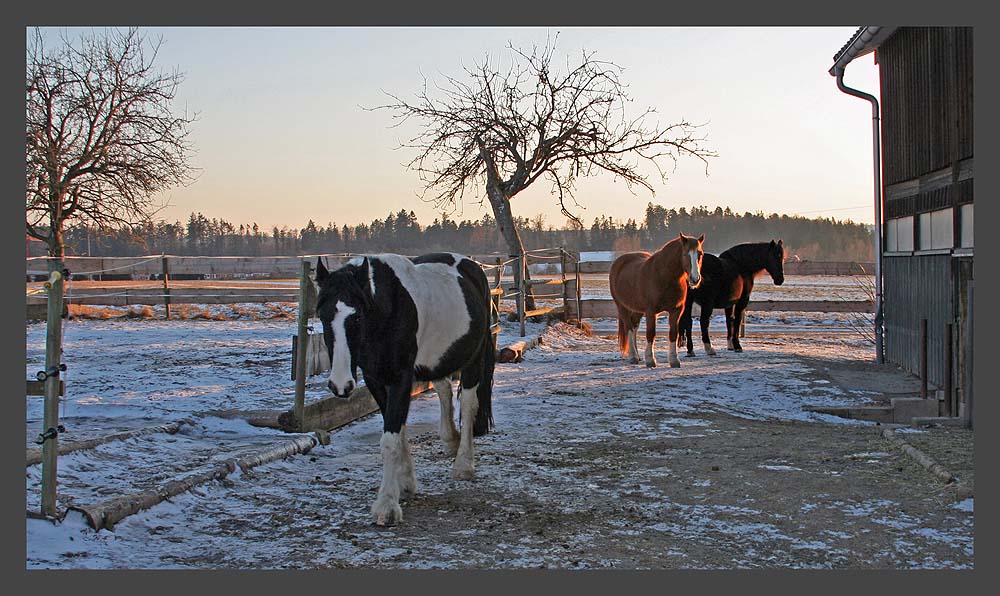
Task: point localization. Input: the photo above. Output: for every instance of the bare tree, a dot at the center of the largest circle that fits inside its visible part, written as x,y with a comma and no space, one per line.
102,138
505,128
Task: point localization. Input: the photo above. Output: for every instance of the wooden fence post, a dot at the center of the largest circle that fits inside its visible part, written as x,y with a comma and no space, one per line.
579,290
53,362
302,350
166,287
565,290
519,283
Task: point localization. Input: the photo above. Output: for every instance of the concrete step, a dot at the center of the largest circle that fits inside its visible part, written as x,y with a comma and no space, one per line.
905,409
870,413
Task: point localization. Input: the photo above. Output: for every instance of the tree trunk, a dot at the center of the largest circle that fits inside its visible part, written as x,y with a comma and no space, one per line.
505,221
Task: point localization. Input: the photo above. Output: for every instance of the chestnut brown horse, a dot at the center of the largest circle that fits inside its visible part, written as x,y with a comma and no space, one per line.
644,284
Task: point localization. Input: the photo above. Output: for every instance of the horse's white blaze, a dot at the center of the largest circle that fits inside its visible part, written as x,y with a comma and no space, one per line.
464,466
442,315
695,275
386,508
340,362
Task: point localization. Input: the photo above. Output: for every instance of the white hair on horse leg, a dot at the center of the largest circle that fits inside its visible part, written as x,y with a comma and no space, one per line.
673,353
708,348
447,431
340,363
386,508
464,463
407,478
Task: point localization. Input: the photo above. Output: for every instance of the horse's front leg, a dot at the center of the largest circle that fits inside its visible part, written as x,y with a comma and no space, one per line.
447,431
706,317
673,317
651,338
397,462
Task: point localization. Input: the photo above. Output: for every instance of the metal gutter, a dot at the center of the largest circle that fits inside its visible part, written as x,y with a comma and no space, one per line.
865,40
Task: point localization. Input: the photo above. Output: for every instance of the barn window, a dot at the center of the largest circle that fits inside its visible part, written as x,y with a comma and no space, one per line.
936,230
899,234
965,225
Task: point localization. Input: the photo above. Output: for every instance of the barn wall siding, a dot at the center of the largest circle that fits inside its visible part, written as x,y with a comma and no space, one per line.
926,88
915,288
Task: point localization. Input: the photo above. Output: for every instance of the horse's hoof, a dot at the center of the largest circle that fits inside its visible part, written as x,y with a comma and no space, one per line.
451,447
408,488
651,364
463,473
675,364
690,354
737,349
633,361
386,514
713,353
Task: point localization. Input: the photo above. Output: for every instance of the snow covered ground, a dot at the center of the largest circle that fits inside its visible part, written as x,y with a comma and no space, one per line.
312,510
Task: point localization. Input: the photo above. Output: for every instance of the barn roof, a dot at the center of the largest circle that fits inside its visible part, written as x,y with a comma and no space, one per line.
864,41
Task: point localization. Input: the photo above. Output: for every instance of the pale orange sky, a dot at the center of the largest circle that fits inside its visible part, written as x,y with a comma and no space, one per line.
282,139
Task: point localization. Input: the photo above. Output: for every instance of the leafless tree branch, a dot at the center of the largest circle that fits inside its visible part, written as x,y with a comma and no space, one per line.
102,138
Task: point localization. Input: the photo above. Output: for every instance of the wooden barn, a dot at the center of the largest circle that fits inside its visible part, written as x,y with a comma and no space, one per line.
925,238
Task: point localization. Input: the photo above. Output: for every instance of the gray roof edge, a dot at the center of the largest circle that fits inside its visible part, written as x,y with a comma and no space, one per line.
864,41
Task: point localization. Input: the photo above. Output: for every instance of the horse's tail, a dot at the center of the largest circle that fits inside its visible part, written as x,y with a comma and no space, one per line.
484,391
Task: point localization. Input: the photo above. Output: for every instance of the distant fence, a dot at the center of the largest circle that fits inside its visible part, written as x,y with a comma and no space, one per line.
164,272
789,268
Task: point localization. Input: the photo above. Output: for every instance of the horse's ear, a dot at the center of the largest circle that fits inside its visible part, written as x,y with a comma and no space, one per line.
321,272
701,239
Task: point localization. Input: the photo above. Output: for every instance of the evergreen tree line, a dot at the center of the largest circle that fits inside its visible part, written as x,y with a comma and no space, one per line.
818,239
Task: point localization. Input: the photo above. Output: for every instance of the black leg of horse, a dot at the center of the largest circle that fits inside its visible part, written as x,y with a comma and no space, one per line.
397,463
686,327
729,327
706,318
738,310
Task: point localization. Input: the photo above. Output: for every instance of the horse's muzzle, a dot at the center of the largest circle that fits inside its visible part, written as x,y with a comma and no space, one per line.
348,389
694,285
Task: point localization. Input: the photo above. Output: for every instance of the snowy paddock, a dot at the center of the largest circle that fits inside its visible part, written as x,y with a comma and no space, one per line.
593,463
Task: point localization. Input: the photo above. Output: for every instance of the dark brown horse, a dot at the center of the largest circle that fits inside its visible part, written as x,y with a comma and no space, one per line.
644,284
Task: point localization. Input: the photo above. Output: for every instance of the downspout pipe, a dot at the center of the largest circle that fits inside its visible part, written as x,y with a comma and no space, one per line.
838,71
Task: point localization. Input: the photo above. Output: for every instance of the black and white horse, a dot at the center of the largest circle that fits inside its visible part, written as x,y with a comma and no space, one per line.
399,321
